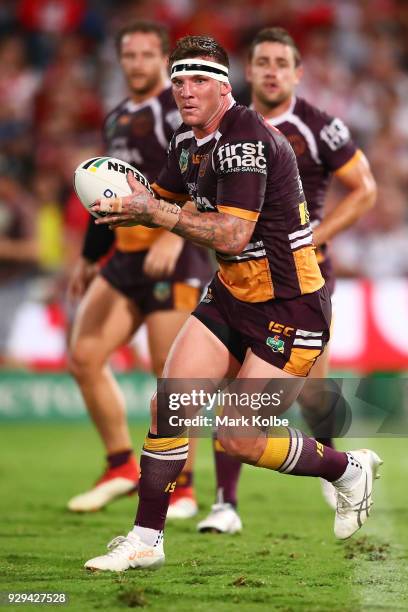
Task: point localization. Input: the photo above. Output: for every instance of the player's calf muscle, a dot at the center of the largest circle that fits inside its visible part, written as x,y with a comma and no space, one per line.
248,450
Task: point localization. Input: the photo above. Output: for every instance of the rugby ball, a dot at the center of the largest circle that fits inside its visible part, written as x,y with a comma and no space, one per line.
100,177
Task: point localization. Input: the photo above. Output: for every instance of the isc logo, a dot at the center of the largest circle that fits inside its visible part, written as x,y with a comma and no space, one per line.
279,328
242,156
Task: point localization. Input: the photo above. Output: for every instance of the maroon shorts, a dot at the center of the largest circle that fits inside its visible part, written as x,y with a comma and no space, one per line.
180,291
289,334
326,268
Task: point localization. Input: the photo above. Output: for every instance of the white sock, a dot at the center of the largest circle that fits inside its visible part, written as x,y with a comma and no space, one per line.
351,476
151,537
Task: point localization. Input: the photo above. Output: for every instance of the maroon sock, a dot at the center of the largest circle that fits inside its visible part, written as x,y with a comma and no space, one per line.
314,459
185,479
157,482
227,471
326,441
120,458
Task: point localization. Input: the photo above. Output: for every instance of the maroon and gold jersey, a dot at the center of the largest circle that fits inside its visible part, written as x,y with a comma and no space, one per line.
322,145
248,170
140,135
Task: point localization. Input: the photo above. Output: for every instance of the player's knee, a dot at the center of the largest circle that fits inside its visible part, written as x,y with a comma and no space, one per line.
241,448
158,362
83,359
307,401
153,414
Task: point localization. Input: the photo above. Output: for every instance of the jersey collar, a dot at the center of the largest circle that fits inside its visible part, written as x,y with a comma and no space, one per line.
284,116
132,107
202,141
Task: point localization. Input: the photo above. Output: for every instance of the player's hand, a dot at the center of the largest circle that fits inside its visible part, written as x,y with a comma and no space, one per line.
83,274
163,255
135,209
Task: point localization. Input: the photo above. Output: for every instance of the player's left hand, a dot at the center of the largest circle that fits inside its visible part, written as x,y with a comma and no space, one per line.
163,255
135,209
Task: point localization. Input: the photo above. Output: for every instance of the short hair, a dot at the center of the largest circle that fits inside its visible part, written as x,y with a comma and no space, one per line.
199,46
146,27
275,35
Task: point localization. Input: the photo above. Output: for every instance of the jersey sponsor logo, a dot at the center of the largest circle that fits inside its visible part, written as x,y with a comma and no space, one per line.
203,165
336,134
183,160
243,157
196,158
202,161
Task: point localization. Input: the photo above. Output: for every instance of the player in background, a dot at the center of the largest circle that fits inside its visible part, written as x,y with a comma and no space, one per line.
153,276
250,209
323,148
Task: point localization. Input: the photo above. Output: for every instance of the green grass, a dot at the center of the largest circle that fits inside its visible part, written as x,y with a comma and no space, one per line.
286,559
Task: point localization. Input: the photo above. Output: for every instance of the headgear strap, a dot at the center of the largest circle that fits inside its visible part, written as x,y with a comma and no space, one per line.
188,67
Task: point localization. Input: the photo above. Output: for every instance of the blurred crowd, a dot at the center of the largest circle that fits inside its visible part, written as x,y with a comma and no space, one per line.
59,76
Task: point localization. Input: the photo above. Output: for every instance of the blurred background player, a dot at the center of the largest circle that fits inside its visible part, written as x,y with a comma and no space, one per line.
153,276
323,148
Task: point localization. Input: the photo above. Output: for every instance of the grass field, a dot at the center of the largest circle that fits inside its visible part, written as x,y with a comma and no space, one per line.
286,559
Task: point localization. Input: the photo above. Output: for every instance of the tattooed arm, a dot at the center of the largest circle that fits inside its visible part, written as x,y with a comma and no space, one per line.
219,231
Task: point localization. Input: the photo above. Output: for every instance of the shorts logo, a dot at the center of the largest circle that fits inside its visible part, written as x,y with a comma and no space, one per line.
279,328
276,344
162,291
183,160
243,157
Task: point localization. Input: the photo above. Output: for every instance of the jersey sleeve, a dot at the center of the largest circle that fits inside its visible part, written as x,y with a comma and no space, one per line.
336,147
98,240
169,184
241,169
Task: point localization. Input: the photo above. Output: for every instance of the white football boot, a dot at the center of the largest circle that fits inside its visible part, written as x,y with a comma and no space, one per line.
182,508
223,518
354,504
128,553
101,495
114,483
329,493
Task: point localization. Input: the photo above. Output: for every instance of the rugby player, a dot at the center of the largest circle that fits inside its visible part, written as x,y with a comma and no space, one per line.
323,148
153,276
250,209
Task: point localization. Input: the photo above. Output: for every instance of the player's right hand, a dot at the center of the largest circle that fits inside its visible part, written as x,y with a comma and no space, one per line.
83,273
